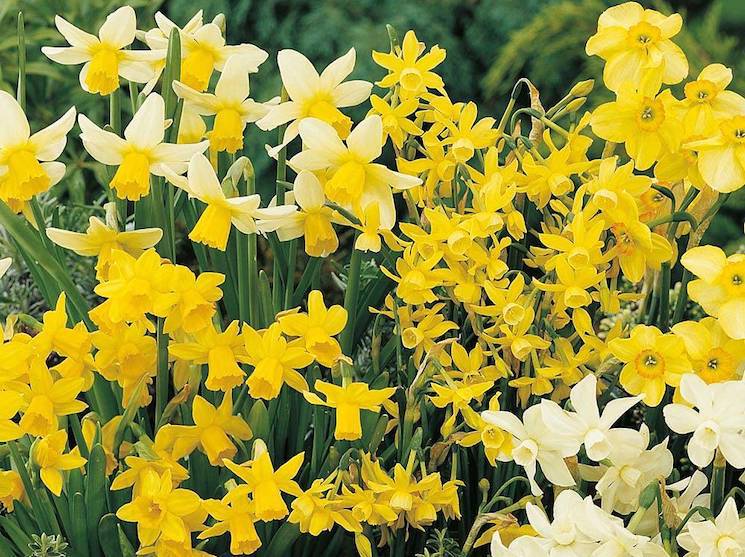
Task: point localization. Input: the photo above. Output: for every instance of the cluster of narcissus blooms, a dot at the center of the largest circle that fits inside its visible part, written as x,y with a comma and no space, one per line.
521,348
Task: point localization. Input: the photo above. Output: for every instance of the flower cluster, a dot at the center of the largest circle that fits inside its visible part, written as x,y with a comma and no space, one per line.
510,339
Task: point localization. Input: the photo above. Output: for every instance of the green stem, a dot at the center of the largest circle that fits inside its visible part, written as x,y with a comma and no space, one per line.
680,303
162,377
350,301
718,482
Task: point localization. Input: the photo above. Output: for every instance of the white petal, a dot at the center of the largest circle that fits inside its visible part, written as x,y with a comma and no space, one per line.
5,264
55,171
584,399
68,55
279,114
232,87
252,55
299,76
351,93
366,139
681,419
14,129
147,128
506,421
104,146
204,104
338,70
51,141
119,28
323,139
203,180
73,35
169,153
308,191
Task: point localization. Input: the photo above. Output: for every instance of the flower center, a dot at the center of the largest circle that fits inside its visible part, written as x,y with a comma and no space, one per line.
651,115
227,133
25,177
650,364
412,79
701,91
103,72
132,178
643,35
719,365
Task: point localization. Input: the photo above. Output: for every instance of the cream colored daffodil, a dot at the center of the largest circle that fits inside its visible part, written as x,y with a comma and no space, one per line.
355,181
314,96
141,153
27,161
203,49
101,238
213,227
229,104
105,58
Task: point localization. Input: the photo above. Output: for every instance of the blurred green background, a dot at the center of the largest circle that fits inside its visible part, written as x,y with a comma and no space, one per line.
489,44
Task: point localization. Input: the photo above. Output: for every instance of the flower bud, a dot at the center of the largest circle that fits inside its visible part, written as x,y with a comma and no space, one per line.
583,88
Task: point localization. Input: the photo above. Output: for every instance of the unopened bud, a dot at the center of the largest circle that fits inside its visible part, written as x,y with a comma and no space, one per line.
583,88
574,105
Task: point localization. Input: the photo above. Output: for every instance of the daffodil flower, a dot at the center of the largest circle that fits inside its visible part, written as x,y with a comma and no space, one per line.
234,513
28,163
213,226
229,104
314,96
141,153
410,67
105,58
313,220
203,49
721,537
720,156
348,400
48,454
101,238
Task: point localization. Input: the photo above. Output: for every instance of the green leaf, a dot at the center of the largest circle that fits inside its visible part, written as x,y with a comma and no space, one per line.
95,496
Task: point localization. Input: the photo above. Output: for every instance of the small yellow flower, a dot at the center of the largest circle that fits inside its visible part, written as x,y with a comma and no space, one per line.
266,484
160,510
317,328
411,69
651,360
11,489
348,400
234,514
275,362
720,287
720,157
714,356
47,454
635,43
396,125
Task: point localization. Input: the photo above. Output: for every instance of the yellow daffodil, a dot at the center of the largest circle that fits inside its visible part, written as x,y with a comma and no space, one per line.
101,238
11,489
371,232
317,328
203,49
496,442
720,157
159,510
467,135
720,286
409,68
396,125
314,96
275,362
234,514
212,431
355,181
417,278
197,296
221,351
651,360
141,153
213,226
348,400
635,43
46,399
136,286
316,510
10,404
313,219
458,396
105,58
48,454
643,120
707,100
612,181
714,356
28,163
266,484
229,104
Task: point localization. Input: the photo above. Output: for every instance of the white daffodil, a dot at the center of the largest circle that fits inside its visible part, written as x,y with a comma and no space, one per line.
563,536
586,425
213,227
203,49
141,153
718,422
105,58
315,96
722,537
313,220
229,104
630,469
101,238
27,162
355,181
535,443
